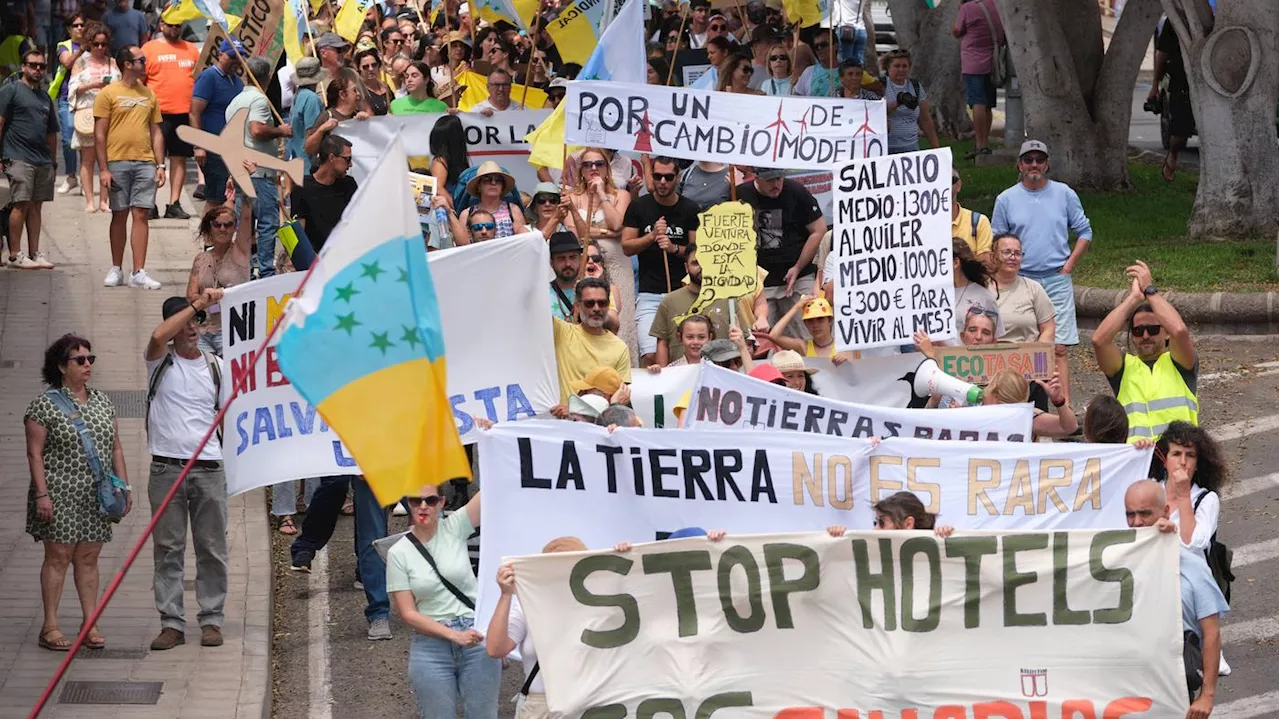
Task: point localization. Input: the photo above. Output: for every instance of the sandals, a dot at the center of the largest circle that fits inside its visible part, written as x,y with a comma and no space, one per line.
348,508
60,643
95,640
287,527
1167,170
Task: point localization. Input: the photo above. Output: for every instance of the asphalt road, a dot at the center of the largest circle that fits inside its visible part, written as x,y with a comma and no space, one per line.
367,680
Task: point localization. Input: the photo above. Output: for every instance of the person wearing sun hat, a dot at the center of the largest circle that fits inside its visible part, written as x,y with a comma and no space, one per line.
819,321
456,57
490,187
545,212
793,369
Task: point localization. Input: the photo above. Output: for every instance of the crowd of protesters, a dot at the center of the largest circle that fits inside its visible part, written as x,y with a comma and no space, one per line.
622,236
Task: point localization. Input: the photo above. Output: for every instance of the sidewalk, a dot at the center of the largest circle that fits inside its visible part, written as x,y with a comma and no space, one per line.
36,307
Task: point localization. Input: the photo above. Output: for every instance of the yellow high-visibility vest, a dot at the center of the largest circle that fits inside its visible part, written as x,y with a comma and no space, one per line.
1155,396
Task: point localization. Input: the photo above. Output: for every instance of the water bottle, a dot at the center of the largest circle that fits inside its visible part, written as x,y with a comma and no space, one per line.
442,234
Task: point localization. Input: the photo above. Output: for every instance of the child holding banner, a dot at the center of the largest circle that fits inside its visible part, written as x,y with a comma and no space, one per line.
819,319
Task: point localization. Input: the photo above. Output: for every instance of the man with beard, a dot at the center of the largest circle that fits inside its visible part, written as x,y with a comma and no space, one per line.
658,228
583,347
566,261
325,194
678,303
1157,382
1043,214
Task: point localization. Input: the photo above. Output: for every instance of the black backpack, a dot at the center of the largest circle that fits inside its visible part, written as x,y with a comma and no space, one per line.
1219,556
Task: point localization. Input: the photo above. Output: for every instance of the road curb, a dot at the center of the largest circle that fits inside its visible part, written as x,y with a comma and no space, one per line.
1246,312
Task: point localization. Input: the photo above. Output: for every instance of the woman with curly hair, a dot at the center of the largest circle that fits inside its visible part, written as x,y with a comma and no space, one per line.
1193,471
62,504
223,261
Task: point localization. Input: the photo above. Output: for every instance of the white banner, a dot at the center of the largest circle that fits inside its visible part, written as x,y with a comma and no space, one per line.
893,244
875,624
499,138
639,484
273,435
724,399
654,395
799,133
879,381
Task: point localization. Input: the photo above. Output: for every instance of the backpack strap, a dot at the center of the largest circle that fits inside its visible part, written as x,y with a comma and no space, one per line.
68,408
466,601
154,384
1195,507
528,681
215,373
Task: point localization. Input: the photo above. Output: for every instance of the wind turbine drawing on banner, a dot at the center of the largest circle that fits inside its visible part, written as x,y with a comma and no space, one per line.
230,145
777,126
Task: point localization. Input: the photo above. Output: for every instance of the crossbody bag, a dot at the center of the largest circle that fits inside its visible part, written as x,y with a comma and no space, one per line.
112,492
999,51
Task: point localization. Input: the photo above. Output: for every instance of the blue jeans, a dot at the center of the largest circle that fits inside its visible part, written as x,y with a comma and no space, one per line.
854,49
70,161
646,308
371,524
266,218
284,496
440,671
322,517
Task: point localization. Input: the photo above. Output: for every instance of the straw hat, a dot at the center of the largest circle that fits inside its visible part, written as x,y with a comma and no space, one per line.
790,361
489,167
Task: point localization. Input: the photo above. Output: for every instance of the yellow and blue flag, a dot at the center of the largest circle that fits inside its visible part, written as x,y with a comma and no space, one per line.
363,341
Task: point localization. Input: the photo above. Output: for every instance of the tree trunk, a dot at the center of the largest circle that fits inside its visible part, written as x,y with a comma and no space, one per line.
935,59
1077,99
1231,71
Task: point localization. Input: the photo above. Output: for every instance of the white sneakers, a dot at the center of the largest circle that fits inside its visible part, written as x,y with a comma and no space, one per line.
69,183
142,280
115,278
22,262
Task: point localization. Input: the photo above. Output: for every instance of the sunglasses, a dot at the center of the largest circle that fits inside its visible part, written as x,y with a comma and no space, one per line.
431,501
715,27
222,224
484,226
546,200
369,66
77,24
955,179
1035,159
593,164
396,41
595,259
975,310
664,176
1145,330
590,304
82,359
777,58
98,44
499,85
38,65
491,179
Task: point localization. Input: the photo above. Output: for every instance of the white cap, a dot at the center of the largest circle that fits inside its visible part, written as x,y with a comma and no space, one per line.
464,9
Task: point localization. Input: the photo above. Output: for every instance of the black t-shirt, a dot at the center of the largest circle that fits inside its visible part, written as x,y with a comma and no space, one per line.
1167,42
781,228
682,219
1040,398
321,206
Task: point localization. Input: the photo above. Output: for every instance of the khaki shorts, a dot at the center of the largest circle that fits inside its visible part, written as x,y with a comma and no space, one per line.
28,182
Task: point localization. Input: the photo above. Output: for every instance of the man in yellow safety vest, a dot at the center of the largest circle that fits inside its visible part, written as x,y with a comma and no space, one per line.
1156,383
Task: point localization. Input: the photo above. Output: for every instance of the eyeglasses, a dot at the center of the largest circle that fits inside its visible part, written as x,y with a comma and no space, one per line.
593,164
344,158
1145,330
81,359
777,58
484,227
1035,159
369,66
38,65
222,224
1011,253
546,200
431,501
499,85
589,304
142,60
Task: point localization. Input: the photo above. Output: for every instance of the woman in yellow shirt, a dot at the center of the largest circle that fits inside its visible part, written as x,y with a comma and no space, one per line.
820,320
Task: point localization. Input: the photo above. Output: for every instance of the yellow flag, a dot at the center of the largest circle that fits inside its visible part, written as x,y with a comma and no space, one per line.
478,91
180,12
233,22
806,12
292,45
350,18
526,9
546,142
315,6
573,35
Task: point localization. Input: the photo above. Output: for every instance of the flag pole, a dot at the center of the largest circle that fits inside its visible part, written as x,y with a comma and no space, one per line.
684,17
533,47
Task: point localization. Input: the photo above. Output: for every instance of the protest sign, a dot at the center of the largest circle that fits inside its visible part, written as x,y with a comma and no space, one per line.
654,395
499,138
756,130
424,187
273,435
724,399
976,364
727,253
261,31
209,51
893,244
637,484
874,624
689,64
819,185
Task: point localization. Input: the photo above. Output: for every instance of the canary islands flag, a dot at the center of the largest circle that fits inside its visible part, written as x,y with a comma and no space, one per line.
363,343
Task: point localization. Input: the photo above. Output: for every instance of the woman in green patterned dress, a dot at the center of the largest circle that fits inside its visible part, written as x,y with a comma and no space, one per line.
62,507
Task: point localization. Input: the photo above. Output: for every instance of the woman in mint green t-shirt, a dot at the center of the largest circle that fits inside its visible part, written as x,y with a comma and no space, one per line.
421,98
447,657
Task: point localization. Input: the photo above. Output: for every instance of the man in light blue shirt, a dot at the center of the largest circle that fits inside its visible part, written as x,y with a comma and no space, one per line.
1203,605
261,134
1043,214
307,106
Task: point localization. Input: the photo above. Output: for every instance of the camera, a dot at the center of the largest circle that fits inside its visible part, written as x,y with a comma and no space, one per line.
1152,106
908,100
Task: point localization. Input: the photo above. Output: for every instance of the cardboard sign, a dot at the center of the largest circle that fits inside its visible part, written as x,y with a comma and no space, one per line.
261,31
976,364
209,53
727,253
893,247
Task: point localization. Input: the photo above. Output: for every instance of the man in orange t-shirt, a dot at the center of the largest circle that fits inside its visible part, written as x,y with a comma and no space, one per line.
170,61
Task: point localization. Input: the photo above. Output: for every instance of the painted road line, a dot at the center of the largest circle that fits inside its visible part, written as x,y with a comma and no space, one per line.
321,698
1250,631
1256,552
1252,485
1249,707
1262,369
1246,427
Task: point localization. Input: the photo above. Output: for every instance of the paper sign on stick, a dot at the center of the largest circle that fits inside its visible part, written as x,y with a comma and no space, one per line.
727,253
893,244
976,364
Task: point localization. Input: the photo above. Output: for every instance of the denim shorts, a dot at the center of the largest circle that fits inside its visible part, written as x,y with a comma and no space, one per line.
1062,293
133,184
979,90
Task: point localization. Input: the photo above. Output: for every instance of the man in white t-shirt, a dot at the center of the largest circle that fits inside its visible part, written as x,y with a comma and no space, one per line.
499,99
185,390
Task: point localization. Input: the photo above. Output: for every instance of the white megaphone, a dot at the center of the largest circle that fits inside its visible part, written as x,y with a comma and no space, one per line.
931,380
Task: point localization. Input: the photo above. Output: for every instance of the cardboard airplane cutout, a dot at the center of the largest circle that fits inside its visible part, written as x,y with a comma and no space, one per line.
230,145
